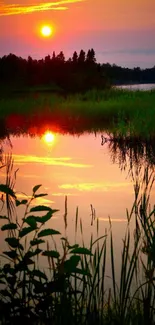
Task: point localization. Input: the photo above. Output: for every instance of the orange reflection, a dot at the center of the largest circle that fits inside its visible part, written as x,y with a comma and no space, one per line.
49,137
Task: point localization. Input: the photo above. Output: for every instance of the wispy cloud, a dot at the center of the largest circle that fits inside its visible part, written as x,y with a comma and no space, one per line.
94,186
16,9
60,161
63,194
114,219
40,200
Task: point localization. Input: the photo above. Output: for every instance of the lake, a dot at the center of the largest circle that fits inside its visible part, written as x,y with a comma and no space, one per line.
96,174
142,87
89,174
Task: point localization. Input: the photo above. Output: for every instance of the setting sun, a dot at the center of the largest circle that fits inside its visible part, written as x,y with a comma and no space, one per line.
46,30
48,137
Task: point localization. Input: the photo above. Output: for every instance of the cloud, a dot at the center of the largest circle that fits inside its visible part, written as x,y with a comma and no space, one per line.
17,9
113,219
39,201
63,194
60,161
94,186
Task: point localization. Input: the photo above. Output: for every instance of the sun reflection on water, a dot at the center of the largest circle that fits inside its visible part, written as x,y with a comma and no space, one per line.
48,137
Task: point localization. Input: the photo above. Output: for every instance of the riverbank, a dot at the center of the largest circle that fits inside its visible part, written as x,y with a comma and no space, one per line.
115,110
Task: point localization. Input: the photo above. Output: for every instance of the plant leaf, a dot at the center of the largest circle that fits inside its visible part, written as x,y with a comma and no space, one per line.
39,274
51,253
81,250
12,241
9,226
12,254
46,217
36,252
31,221
25,231
36,242
4,217
21,202
71,264
40,208
35,188
7,190
40,195
47,232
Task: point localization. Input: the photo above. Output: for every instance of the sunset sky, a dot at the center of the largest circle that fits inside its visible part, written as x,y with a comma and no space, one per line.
120,31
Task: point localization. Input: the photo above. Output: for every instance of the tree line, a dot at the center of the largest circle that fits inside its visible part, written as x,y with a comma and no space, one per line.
80,72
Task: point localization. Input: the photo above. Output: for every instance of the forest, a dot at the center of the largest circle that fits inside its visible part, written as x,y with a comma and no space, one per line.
79,73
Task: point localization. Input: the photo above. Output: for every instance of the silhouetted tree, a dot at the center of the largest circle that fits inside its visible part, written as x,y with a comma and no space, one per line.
82,57
75,57
91,56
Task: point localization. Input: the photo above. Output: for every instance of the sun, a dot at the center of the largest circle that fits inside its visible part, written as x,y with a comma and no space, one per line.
48,137
46,31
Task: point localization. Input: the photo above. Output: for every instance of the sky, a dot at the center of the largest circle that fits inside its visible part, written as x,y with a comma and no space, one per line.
120,31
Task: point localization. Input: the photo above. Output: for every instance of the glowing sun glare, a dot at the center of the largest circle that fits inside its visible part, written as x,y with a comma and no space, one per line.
48,137
46,31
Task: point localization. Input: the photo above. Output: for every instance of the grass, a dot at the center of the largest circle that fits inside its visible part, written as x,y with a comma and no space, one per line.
72,288
127,112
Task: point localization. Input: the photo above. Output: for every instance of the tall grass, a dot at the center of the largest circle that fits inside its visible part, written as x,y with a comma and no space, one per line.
124,111
72,288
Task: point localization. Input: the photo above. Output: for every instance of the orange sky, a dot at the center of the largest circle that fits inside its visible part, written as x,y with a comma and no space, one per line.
120,31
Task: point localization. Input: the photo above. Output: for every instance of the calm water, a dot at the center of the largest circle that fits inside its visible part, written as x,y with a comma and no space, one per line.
138,87
88,173
84,171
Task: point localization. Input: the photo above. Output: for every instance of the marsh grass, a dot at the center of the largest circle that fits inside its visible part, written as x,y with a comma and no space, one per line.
128,112
72,289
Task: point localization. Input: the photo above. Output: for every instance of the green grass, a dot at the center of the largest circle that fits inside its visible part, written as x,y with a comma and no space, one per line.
72,288
114,110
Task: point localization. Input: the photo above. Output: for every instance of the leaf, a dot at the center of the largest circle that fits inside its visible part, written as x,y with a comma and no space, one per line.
12,241
4,217
35,188
12,254
40,208
39,287
39,274
25,231
31,221
5,293
71,264
81,250
47,232
36,252
36,242
7,190
45,218
39,195
9,226
82,271
21,202
73,246
51,253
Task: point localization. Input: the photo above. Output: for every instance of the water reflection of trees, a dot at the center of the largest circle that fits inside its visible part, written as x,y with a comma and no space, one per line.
137,158
129,152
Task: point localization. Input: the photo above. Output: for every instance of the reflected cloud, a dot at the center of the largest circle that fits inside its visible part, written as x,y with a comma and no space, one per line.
30,176
64,194
60,161
40,200
16,9
113,219
95,186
